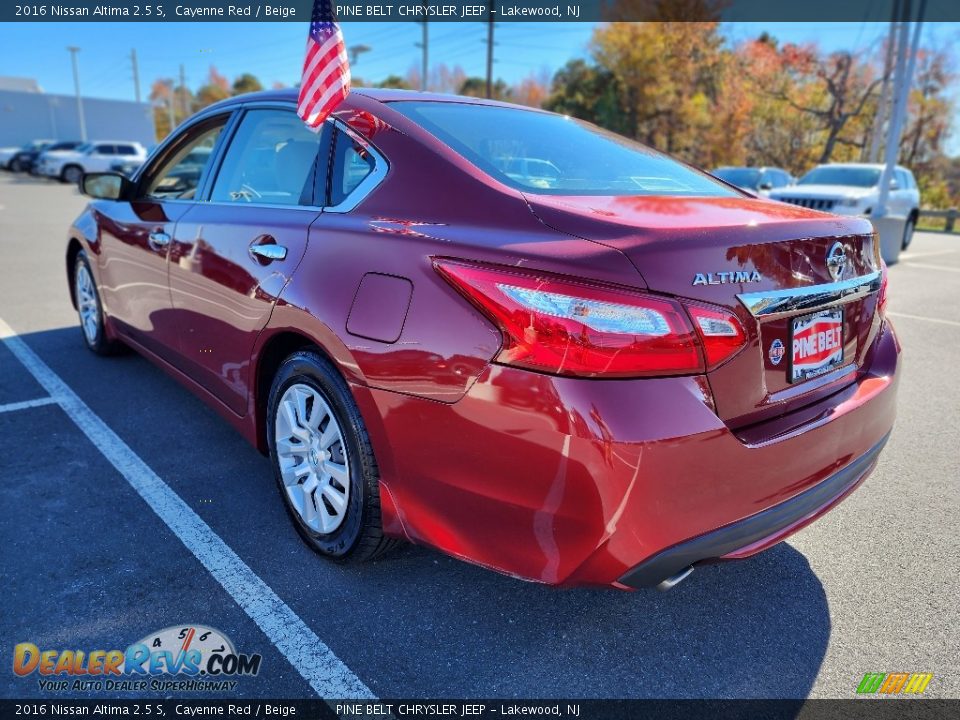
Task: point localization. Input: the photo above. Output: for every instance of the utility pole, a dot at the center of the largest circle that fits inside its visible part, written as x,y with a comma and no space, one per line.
76,86
906,63
490,50
424,44
883,104
183,92
136,74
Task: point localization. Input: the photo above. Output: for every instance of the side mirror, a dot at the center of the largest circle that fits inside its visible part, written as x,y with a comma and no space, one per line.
894,185
106,186
765,185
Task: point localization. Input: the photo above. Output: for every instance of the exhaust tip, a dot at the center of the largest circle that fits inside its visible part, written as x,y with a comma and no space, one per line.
674,580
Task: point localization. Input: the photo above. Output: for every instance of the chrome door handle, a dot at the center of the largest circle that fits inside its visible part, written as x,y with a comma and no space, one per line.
268,252
158,240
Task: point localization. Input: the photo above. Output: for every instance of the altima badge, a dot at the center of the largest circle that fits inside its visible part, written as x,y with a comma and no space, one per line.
726,278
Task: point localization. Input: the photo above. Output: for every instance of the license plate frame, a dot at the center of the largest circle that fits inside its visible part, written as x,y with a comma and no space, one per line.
832,320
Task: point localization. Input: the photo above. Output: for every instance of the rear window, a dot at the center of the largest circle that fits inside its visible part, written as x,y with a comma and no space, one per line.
555,155
741,177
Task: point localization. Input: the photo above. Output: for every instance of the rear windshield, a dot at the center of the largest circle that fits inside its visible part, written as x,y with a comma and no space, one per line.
741,177
555,155
835,175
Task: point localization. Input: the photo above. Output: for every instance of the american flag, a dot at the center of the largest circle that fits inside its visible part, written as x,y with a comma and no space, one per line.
326,70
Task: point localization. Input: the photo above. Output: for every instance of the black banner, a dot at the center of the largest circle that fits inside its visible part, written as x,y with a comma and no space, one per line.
349,11
854,709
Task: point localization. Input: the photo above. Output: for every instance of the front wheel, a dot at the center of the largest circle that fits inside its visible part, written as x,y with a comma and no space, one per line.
90,309
323,460
71,174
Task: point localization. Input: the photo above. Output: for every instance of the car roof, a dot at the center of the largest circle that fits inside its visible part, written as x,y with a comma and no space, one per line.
113,142
383,95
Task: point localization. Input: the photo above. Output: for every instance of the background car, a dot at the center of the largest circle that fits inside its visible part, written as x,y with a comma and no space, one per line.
97,156
5,154
759,181
27,160
16,159
605,381
854,189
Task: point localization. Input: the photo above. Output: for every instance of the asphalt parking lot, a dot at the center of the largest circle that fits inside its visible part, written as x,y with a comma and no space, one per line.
86,562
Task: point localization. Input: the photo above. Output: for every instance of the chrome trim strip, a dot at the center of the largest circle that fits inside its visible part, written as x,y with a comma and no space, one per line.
776,303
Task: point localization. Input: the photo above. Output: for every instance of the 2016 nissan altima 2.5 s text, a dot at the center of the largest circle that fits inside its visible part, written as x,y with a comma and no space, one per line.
501,332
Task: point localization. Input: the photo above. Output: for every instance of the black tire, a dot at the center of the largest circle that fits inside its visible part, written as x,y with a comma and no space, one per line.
71,174
360,536
908,229
99,343
16,166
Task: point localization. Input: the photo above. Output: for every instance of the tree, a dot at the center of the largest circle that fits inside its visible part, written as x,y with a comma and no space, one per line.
394,81
668,77
246,83
587,92
216,88
533,90
477,87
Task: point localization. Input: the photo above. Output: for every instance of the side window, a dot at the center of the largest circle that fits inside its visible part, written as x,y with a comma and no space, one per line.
178,177
126,150
272,159
902,182
781,179
104,150
351,164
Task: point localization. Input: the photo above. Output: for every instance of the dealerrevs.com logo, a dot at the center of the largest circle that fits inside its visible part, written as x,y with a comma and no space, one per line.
180,658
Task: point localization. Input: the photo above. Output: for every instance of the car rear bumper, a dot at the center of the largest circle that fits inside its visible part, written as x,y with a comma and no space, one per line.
757,532
582,482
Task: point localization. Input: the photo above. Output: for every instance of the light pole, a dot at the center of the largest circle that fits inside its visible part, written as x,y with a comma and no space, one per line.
76,85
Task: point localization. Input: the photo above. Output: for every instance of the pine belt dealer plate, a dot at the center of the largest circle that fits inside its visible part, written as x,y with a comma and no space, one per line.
816,343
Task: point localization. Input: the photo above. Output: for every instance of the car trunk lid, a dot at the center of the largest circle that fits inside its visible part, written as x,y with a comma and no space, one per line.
735,252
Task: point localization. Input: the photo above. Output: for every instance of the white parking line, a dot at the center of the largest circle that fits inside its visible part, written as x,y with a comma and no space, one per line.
325,672
930,267
11,407
927,319
913,256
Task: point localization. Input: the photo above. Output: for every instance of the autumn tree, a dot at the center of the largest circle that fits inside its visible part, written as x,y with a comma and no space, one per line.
668,77
216,88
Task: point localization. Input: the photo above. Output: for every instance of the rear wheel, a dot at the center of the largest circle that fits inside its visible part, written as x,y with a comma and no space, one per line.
323,460
908,229
90,310
71,174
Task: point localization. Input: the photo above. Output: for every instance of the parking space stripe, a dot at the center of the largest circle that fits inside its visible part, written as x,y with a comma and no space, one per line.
926,319
923,266
318,665
13,407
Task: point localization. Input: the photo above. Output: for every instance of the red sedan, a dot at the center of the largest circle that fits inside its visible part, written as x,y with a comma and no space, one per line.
504,333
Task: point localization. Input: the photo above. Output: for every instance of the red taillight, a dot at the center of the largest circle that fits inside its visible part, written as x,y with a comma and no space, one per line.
882,295
569,328
720,333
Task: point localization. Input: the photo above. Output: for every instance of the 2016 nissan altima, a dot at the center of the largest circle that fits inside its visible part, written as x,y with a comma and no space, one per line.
501,332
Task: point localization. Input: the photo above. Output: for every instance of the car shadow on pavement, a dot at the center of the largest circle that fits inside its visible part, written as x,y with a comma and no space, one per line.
420,624
754,628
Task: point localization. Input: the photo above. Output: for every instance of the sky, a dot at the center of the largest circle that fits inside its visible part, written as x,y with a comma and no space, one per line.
273,51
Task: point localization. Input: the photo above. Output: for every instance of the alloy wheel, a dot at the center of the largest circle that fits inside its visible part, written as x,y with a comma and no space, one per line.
87,305
313,458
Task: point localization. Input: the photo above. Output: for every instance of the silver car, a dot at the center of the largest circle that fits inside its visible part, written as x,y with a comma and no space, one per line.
854,189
